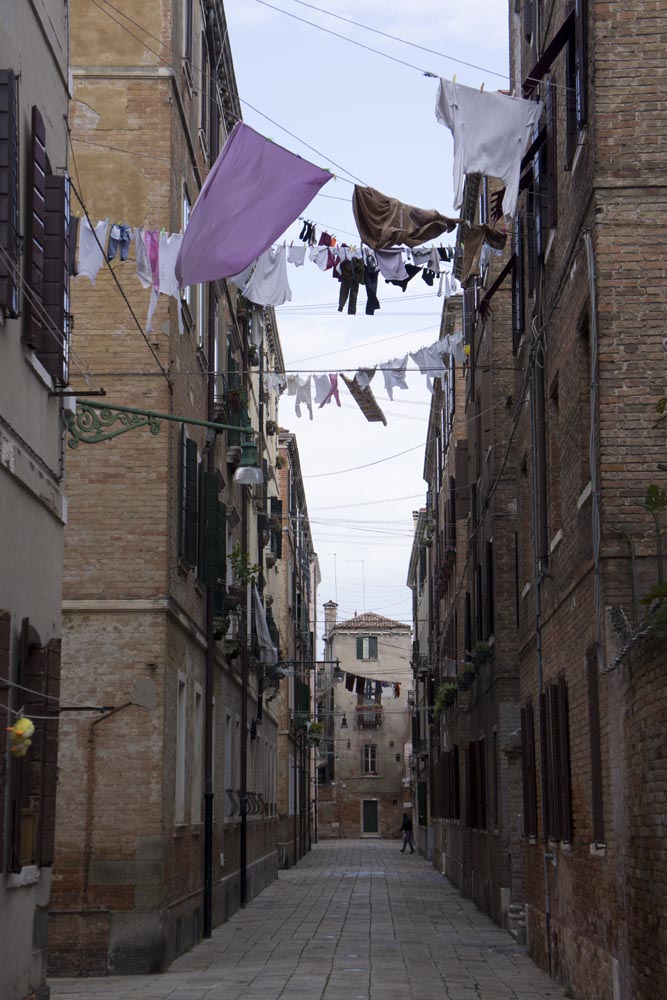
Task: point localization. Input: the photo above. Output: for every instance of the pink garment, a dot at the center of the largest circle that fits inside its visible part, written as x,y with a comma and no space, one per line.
254,191
333,391
152,241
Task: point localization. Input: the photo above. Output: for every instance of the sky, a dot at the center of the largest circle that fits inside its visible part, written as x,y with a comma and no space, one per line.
370,120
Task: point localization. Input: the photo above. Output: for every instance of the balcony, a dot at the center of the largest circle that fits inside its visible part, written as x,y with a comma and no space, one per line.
369,716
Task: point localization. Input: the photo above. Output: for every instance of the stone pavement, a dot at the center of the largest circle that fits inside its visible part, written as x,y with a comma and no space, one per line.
354,920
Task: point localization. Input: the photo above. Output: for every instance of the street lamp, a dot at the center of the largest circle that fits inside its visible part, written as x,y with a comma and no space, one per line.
248,472
343,724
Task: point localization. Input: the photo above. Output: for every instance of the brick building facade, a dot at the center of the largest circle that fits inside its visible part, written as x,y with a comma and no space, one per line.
167,817
565,498
363,691
34,372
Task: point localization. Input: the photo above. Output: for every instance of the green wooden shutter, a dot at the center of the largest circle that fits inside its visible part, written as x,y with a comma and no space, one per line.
33,331
277,512
372,647
52,350
212,565
9,193
360,648
191,490
5,636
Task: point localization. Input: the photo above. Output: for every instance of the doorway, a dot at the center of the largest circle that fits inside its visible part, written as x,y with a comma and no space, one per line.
370,817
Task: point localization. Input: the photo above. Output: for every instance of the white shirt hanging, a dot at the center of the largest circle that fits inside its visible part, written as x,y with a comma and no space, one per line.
394,375
269,285
492,132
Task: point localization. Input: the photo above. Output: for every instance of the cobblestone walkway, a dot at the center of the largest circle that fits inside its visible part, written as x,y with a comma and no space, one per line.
354,920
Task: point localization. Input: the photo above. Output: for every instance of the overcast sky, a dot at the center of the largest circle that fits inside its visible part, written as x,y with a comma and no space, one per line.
373,120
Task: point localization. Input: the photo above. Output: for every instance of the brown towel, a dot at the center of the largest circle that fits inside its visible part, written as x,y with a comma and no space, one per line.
476,237
386,222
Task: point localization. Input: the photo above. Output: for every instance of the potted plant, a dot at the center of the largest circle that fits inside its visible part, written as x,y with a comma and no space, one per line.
445,696
280,462
469,672
253,355
315,733
237,398
271,426
244,570
482,653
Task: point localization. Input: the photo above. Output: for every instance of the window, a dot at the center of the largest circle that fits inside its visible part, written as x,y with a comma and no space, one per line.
554,470
585,378
9,203
188,510
529,780
201,317
518,284
556,753
197,758
228,766
477,784
370,759
187,40
447,771
204,97
367,647
597,801
489,585
181,707
186,211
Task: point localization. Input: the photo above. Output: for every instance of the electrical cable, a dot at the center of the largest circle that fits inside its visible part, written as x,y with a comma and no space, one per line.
368,465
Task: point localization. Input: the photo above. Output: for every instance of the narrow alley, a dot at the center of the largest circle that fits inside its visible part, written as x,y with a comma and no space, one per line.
354,920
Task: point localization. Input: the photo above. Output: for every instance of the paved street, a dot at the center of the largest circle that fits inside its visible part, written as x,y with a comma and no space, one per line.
354,920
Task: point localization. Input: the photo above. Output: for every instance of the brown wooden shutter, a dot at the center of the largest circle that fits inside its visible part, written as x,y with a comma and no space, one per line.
581,43
277,533
33,330
518,284
545,768
9,194
552,154
191,492
597,802
212,570
556,775
5,643
528,19
566,784
17,770
52,350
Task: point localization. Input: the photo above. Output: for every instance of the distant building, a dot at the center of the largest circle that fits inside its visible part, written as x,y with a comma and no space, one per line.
362,698
34,354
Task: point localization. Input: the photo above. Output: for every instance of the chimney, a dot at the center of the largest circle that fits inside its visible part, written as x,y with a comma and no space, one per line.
330,609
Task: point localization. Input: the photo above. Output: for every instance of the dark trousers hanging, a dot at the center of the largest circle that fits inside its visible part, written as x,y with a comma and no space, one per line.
371,275
352,273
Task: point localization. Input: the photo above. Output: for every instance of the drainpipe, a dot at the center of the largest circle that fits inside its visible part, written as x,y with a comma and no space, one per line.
245,648
537,432
209,684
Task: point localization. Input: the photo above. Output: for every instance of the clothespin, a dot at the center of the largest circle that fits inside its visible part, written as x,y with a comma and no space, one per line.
481,89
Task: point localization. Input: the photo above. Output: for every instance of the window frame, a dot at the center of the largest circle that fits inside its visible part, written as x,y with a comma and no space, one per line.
370,760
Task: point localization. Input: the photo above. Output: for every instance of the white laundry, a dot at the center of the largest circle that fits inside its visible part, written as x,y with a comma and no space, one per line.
170,245
391,264
434,261
144,272
303,396
320,256
296,255
454,285
394,375
364,377
430,361
457,347
275,383
322,388
269,285
422,256
292,385
91,253
492,132
241,279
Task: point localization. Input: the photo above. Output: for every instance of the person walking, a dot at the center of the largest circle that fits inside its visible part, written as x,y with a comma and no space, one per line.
406,830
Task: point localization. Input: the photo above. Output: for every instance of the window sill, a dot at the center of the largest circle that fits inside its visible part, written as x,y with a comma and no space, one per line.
180,829
598,850
40,371
585,493
526,590
556,540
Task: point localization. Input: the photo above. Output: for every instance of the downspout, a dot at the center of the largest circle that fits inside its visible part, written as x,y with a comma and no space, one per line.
245,647
209,683
536,428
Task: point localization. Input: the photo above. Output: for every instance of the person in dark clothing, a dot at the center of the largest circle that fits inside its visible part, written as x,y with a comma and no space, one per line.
406,830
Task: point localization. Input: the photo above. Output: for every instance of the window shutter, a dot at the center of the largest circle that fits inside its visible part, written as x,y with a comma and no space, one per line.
528,19
17,770
556,782
9,193
525,771
213,546
373,647
566,787
5,637
597,802
545,767
490,609
467,626
581,36
552,154
531,225
33,331
517,284
360,648
191,491
277,512
53,349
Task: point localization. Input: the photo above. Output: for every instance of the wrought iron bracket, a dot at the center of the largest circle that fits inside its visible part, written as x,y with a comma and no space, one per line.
95,422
